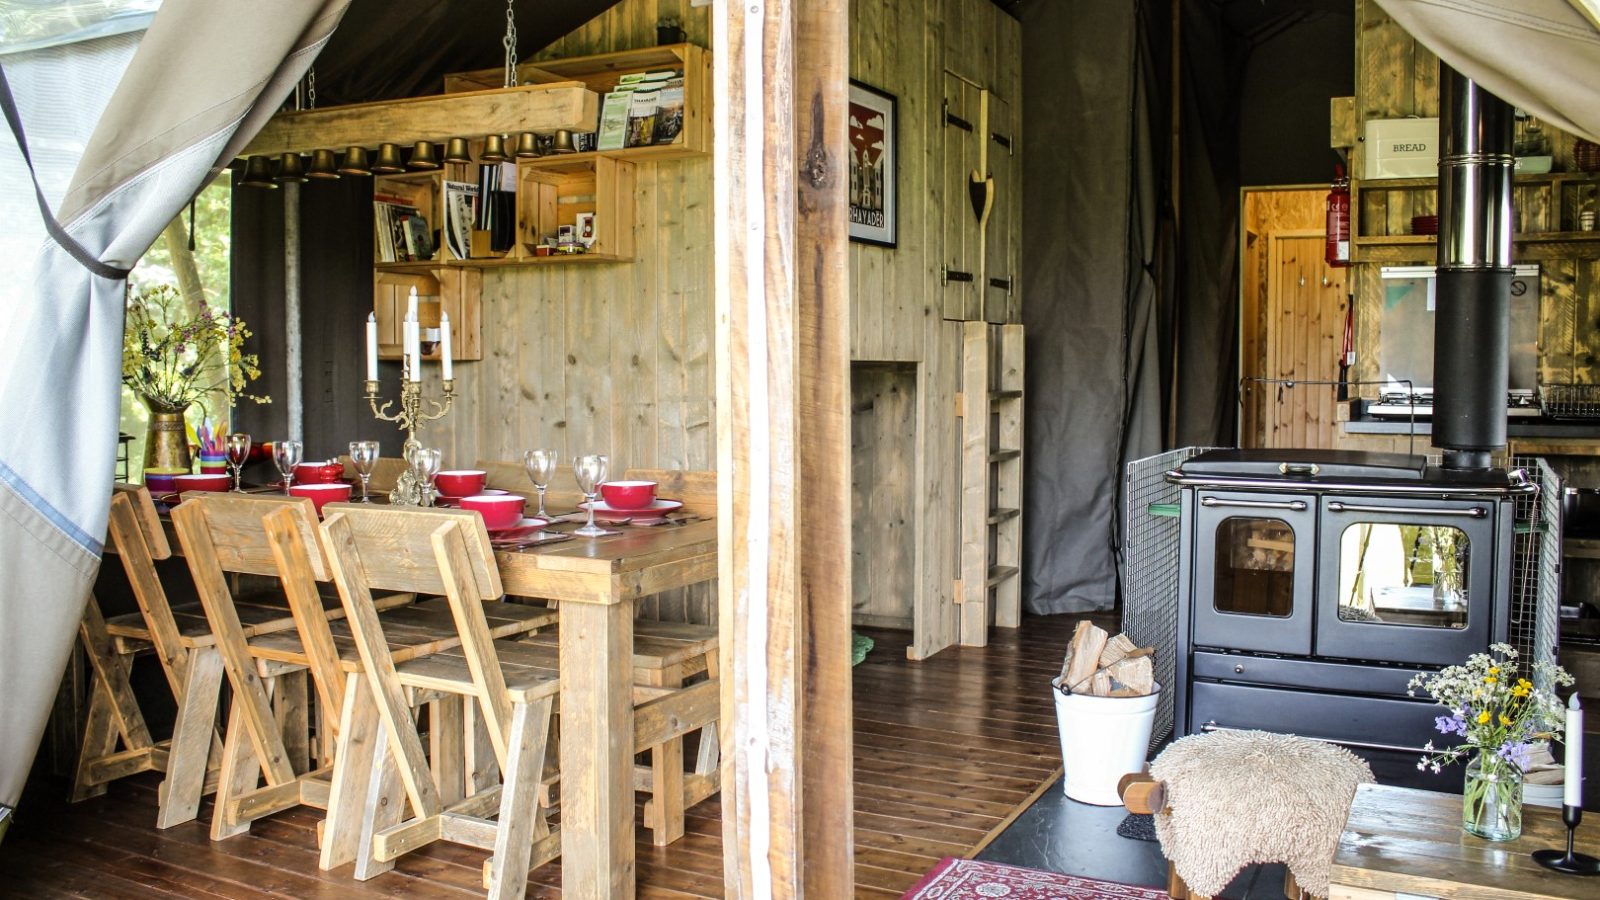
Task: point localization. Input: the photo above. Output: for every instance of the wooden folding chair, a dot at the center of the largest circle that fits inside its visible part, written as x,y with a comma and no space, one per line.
386,473
270,535
514,686
182,643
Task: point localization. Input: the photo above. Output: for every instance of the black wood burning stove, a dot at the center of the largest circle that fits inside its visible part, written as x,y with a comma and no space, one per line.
1317,583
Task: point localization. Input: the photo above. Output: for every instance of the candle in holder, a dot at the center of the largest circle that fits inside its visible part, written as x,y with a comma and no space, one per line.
444,346
372,347
1573,789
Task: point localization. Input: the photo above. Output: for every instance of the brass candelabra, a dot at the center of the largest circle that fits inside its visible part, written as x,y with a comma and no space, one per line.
410,490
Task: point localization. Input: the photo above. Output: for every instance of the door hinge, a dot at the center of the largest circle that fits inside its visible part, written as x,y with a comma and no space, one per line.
1003,284
948,275
1003,140
951,118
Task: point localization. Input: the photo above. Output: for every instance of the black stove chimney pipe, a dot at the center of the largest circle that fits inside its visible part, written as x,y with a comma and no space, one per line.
1472,319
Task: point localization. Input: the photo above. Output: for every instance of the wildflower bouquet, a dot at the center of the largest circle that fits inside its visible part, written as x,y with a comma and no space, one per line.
1500,714
172,361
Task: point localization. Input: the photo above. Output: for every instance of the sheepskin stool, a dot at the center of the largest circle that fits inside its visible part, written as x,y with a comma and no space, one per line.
1229,799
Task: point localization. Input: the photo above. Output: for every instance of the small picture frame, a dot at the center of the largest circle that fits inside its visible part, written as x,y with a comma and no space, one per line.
585,226
874,140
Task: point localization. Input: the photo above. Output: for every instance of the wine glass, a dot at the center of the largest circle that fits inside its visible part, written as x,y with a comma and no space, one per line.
238,452
286,454
590,471
425,465
363,456
540,464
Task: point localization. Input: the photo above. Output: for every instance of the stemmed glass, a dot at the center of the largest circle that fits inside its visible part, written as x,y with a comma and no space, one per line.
590,471
238,452
425,465
363,456
286,454
540,464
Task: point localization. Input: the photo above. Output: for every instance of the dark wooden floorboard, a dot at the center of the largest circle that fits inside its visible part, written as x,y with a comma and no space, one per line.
945,750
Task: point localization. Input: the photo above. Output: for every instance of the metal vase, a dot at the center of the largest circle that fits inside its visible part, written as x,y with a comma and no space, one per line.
166,443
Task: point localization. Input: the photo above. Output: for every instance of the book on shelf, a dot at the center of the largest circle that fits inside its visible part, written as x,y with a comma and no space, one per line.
389,217
460,200
669,111
642,106
613,120
419,237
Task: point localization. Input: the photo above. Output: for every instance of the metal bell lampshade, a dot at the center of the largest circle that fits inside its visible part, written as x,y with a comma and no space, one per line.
563,142
258,173
422,156
494,149
324,166
291,168
527,145
456,152
355,162
388,161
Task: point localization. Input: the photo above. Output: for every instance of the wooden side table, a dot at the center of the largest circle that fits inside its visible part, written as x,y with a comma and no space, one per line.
1400,842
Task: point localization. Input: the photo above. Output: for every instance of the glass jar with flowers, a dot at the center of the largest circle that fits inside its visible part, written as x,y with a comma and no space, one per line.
1500,715
173,358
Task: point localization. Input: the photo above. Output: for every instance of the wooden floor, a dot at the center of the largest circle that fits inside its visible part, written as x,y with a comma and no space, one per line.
946,750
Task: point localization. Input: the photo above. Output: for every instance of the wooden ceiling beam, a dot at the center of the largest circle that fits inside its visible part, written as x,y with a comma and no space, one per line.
542,108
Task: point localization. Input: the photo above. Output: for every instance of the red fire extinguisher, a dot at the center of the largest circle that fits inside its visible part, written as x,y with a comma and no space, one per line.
1336,248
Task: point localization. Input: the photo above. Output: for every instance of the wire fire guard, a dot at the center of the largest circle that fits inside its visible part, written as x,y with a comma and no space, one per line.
1149,567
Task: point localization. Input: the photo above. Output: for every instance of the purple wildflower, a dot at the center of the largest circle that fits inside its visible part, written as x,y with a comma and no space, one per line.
1451,725
1514,752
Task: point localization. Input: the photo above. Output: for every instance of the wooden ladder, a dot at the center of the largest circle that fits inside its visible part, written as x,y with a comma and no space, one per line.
989,590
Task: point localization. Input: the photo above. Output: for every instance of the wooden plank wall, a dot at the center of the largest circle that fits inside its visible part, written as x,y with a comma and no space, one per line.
1397,77
906,48
883,508
619,358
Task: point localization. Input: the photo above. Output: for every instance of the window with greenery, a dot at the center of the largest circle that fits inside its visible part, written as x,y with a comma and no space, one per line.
200,273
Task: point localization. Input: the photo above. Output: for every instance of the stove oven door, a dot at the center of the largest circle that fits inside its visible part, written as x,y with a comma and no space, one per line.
1406,580
1253,568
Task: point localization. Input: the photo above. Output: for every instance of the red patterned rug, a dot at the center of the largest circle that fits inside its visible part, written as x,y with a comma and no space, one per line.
969,879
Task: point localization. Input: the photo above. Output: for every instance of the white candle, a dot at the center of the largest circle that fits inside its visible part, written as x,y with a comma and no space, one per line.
444,346
1573,793
411,305
413,349
372,347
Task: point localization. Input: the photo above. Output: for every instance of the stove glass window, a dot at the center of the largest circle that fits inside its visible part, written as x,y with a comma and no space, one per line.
1403,575
1255,567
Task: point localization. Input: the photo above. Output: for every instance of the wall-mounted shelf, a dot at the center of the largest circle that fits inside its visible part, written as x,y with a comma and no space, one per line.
1420,248
1546,207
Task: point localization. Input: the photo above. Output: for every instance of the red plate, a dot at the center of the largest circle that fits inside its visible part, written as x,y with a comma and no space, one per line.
527,526
606,513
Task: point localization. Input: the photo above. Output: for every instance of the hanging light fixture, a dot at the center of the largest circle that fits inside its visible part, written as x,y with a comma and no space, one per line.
422,156
324,166
258,173
494,149
291,169
388,161
527,145
456,151
355,162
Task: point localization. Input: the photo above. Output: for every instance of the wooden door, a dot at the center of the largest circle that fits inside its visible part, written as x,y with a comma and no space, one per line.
963,241
1306,303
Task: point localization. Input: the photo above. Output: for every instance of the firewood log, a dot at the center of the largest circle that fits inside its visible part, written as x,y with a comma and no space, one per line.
1083,654
1117,648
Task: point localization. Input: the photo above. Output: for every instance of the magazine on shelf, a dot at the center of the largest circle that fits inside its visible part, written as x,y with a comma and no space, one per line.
614,119
642,117
460,199
419,237
669,111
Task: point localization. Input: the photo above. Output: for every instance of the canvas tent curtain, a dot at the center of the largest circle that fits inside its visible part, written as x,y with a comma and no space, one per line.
1540,55
198,84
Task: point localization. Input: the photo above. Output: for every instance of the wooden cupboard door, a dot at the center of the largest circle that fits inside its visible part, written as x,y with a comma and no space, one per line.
999,238
1306,305
963,240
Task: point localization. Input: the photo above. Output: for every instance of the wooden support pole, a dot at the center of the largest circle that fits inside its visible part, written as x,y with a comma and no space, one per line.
782,446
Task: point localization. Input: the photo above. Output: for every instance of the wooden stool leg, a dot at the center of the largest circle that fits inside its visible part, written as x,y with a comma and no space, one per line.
665,808
385,806
483,770
290,706
361,746
99,740
709,758
241,772
447,739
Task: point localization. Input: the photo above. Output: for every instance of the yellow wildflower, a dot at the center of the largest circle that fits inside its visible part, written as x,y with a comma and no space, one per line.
1490,680
1505,719
1494,670
1483,717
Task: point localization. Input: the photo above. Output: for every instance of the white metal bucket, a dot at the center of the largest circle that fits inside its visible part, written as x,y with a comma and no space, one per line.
1102,739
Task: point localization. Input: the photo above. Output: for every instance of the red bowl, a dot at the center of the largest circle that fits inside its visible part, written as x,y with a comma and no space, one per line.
321,494
628,494
318,472
498,510
181,483
460,482
159,483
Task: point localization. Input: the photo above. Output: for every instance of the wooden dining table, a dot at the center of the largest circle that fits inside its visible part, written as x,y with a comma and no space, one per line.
597,581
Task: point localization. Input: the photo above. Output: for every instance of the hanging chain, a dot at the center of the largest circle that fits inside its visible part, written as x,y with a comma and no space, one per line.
510,42
311,88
